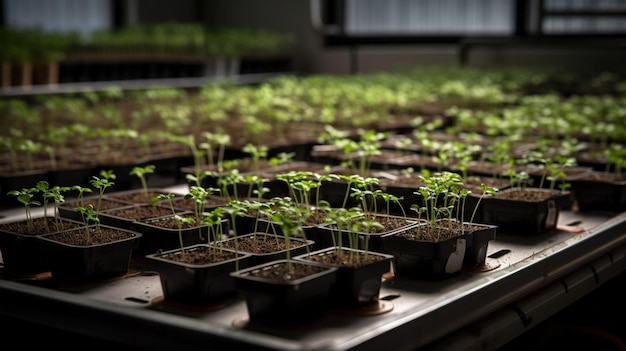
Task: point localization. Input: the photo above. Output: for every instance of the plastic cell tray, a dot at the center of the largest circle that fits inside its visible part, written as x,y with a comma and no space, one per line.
538,274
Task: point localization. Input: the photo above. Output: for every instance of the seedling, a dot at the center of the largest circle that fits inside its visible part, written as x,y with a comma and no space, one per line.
353,222
290,217
257,153
486,190
215,139
234,209
440,193
81,193
255,185
616,158
214,220
229,181
51,193
199,196
141,172
102,184
282,158
517,179
167,197
25,196
182,221
88,215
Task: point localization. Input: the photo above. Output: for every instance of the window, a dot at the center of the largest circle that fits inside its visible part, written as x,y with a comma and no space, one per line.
583,17
416,21
83,16
429,17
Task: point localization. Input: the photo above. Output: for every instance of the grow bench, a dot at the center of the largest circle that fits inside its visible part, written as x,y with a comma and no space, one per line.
133,84
526,280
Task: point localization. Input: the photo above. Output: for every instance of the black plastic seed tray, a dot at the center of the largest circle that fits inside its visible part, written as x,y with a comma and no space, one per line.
539,274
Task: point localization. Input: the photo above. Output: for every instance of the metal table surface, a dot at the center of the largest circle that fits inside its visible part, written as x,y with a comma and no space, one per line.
525,280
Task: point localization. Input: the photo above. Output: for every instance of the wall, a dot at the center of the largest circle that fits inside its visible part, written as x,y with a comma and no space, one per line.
156,11
283,16
312,56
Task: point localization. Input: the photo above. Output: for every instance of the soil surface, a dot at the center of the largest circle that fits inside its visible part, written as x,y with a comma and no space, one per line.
200,255
436,233
389,223
138,213
527,194
169,222
282,271
260,244
138,197
97,235
105,204
345,258
40,225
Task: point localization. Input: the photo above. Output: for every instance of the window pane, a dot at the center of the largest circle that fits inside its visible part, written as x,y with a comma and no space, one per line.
83,16
585,24
430,17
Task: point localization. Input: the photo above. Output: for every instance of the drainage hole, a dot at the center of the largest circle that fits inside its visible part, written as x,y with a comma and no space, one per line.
136,299
499,253
390,297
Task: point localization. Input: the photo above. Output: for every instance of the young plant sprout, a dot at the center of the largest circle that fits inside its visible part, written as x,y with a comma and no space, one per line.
486,190
168,198
234,209
54,194
213,140
199,196
101,184
141,172
290,217
81,193
440,193
89,215
182,221
257,153
214,220
255,185
229,181
282,158
25,196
